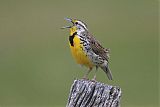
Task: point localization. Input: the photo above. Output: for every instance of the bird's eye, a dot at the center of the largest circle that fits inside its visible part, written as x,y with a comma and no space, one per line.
76,23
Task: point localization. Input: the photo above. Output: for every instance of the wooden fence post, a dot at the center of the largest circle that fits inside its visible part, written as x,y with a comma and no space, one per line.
87,93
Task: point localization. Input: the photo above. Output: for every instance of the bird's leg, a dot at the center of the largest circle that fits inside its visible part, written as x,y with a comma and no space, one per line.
94,78
86,75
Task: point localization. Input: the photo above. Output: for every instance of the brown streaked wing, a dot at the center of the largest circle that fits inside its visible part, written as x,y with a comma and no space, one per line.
98,49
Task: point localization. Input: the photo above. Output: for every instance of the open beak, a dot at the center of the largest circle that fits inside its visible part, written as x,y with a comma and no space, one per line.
69,20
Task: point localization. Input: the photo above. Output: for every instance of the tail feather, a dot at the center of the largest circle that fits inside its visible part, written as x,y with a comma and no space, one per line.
108,72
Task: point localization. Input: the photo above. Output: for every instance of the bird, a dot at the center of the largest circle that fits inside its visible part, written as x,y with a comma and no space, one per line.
86,50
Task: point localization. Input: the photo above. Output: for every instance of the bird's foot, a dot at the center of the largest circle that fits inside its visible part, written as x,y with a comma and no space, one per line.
94,79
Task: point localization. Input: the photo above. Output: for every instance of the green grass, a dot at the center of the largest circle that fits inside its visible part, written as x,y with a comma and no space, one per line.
37,69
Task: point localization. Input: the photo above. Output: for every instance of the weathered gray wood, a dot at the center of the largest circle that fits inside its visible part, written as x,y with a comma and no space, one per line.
87,93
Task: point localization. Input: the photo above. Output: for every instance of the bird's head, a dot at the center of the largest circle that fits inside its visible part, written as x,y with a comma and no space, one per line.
76,25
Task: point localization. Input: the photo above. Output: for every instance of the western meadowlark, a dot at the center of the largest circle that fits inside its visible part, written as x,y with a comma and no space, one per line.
86,49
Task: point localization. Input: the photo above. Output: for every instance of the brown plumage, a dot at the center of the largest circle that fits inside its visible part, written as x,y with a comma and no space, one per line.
102,52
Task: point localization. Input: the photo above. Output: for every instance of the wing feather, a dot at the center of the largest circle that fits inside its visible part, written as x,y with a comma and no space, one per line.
98,49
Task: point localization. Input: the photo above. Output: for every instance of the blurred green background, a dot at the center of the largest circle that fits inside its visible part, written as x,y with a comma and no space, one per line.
37,69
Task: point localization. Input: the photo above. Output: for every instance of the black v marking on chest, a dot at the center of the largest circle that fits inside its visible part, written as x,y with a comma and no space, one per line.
71,38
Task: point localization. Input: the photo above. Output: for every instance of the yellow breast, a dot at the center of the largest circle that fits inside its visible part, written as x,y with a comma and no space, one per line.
78,52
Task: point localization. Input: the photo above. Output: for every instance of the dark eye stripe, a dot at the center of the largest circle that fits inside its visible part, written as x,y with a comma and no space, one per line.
82,24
